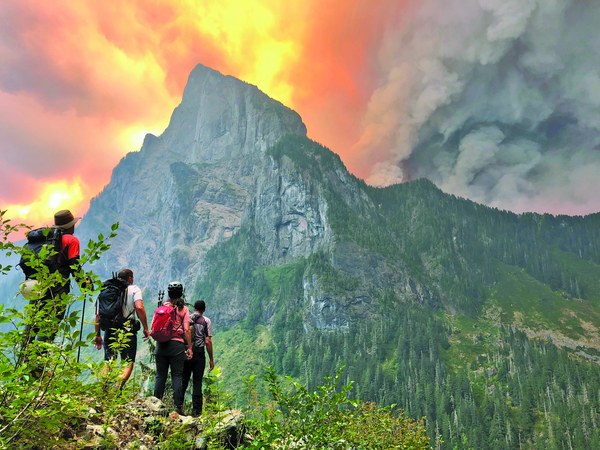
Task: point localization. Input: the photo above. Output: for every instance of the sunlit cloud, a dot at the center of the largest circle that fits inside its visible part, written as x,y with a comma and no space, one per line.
132,137
53,196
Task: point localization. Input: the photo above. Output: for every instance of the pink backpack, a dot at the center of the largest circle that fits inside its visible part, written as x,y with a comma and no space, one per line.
164,323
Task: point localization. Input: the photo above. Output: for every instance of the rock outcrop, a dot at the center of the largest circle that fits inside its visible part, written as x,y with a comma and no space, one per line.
145,422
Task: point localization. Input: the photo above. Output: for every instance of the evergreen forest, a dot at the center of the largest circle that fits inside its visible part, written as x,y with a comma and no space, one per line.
498,346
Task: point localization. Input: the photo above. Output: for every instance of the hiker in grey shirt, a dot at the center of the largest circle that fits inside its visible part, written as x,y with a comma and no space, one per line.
201,338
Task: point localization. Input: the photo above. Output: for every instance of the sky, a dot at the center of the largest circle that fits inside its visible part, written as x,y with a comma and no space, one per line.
494,100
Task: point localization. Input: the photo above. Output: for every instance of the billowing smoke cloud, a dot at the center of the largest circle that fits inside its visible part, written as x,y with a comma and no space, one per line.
494,100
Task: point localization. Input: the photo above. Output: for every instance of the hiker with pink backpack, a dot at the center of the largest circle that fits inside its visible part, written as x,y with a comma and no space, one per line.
171,331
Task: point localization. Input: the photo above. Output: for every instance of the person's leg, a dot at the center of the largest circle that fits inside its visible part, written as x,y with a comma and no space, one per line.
187,373
199,361
45,322
30,351
33,327
177,360
128,354
109,337
126,374
109,354
162,369
47,314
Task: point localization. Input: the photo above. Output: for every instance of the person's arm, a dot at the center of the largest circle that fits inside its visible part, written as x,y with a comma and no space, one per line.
209,349
98,338
187,333
141,313
71,245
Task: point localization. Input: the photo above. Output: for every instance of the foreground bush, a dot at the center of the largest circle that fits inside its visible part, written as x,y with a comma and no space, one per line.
328,419
42,393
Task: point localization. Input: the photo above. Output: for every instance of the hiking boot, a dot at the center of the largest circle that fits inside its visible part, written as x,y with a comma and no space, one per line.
179,410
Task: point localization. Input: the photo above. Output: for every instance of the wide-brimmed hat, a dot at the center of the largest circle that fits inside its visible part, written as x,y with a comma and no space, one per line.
64,219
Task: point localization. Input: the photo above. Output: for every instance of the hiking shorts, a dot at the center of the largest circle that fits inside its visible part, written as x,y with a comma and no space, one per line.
127,352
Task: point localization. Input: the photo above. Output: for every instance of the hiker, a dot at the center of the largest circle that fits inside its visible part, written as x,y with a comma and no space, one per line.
132,303
201,328
174,351
66,262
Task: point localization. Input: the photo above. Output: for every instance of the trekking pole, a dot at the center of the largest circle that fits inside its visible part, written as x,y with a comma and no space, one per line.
81,328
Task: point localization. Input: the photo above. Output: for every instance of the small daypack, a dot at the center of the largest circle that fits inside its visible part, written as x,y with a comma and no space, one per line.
50,237
110,303
164,323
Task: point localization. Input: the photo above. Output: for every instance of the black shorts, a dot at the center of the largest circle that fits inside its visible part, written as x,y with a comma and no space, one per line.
127,351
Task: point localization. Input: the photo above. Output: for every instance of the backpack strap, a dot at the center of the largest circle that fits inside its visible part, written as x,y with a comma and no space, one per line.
132,314
178,330
199,319
205,325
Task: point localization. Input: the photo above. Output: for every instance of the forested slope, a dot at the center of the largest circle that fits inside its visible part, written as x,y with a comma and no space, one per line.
440,305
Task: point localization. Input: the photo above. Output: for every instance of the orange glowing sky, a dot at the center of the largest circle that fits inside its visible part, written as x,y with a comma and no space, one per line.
81,83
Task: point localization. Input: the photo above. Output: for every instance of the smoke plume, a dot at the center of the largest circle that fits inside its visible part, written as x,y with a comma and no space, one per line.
494,100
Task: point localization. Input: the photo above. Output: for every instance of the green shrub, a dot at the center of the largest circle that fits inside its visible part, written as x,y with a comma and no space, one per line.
42,392
328,419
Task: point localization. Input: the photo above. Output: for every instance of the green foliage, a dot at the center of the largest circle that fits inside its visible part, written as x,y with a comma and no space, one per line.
41,389
525,300
309,156
177,439
331,279
465,376
581,275
328,418
240,344
217,398
231,266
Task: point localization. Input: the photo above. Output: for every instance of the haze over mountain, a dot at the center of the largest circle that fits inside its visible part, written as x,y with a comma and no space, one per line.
484,321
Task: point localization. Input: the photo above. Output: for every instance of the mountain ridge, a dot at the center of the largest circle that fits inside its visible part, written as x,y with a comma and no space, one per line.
436,303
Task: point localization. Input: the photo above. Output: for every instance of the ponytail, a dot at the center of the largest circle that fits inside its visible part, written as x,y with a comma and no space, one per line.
179,303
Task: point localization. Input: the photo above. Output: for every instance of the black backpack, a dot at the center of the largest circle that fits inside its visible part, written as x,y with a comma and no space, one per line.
50,237
110,303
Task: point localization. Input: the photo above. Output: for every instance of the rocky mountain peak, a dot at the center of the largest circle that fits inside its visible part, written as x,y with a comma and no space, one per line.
221,117
189,188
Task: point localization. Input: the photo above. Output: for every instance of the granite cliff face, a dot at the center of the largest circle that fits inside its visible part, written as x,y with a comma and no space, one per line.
192,187
289,214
